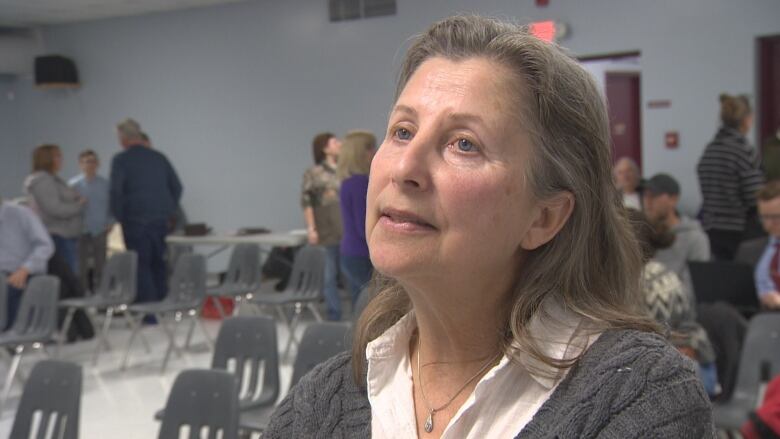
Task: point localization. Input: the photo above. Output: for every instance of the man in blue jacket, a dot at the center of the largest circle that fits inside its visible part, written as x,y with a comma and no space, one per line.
145,192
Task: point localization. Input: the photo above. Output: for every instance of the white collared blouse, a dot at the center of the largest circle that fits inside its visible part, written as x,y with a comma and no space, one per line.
490,411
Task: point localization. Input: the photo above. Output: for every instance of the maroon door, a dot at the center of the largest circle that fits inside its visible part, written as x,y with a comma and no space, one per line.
769,87
625,120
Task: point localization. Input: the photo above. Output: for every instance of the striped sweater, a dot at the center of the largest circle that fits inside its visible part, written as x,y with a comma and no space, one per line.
729,177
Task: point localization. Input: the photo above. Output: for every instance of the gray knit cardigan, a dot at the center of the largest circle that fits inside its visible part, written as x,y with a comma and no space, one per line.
628,384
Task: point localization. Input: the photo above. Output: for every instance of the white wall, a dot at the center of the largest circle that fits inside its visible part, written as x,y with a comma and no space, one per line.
233,94
12,167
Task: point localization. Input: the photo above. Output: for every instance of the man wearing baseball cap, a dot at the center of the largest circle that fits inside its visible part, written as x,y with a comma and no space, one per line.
660,198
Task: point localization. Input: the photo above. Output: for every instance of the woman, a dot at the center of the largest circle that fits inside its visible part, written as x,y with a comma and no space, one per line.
729,177
59,206
354,163
670,303
508,275
320,201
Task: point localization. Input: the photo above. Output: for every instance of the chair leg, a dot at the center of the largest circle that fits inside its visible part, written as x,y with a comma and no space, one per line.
171,342
65,326
136,327
292,326
238,300
19,350
190,331
218,305
133,324
92,316
103,336
314,311
206,335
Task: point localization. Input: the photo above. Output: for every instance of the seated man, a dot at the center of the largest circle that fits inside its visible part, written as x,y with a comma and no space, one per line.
660,198
767,274
25,249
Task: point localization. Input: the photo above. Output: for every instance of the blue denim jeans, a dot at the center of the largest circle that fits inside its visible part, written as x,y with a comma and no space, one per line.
68,248
13,300
357,270
332,299
148,241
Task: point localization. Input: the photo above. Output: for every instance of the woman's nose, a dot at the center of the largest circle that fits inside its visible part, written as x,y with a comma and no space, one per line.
412,167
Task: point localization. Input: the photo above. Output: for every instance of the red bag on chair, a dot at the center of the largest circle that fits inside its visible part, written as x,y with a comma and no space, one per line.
210,310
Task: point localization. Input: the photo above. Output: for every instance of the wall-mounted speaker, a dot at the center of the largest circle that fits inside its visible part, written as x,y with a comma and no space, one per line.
55,71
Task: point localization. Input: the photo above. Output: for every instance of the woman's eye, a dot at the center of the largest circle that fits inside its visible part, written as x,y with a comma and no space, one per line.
403,134
465,145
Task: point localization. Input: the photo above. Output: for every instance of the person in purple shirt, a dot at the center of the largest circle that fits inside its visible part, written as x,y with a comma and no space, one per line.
354,162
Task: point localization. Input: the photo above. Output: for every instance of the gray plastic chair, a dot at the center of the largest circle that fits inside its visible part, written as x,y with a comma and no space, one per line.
202,400
35,324
250,342
54,391
760,356
246,346
304,289
242,278
186,292
116,291
320,341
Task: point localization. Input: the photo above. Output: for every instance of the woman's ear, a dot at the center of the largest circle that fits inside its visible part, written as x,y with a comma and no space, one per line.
550,217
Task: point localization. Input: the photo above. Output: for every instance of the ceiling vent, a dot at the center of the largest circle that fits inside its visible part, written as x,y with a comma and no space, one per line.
341,10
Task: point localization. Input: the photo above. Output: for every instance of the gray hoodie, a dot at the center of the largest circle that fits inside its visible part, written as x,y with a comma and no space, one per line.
55,202
690,244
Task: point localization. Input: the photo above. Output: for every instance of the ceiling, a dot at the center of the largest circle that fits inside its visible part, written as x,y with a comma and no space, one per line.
41,12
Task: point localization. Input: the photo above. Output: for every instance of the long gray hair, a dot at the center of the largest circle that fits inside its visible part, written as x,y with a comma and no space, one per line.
592,266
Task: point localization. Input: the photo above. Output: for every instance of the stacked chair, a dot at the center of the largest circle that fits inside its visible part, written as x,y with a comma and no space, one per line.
320,341
303,291
115,293
186,293
247,348
35,325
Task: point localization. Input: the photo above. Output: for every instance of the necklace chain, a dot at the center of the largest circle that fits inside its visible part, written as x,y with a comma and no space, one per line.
432,411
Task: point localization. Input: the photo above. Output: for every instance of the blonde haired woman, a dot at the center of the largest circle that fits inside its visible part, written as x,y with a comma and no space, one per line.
357,150
509,276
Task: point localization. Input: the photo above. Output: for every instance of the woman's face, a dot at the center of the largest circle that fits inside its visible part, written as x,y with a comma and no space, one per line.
447,193
333,148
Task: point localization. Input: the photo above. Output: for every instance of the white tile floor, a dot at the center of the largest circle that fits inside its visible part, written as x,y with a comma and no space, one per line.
121,405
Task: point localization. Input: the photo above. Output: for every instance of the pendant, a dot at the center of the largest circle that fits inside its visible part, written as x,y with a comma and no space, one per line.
429,423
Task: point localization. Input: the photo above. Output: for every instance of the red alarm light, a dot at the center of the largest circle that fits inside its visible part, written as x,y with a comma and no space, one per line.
544,30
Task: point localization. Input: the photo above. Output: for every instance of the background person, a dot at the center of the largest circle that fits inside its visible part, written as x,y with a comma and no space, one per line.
60,207
145,192
627,180
25,248
353,166
729,176
488,203
97,219
321,211
670,303
660,199
767,272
